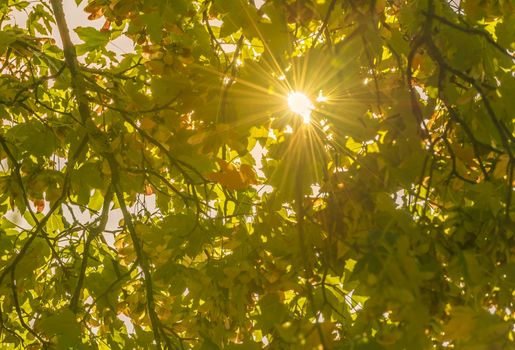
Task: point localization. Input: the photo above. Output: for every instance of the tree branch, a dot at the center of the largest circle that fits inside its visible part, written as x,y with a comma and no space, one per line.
74,302
85,114
476,31
143,262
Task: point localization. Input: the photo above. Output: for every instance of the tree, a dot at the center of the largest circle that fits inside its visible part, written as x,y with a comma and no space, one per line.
291,174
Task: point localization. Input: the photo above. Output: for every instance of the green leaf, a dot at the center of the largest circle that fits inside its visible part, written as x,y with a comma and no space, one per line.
6,39
93,39
64,326
154,25
34,138
273,312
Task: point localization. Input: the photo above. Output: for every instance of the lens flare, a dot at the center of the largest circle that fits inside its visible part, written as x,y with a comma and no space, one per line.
301,105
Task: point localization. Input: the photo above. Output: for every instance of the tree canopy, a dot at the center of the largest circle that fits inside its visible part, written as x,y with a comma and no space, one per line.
280,174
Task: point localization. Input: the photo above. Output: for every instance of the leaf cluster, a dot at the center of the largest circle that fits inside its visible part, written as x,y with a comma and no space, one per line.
167,198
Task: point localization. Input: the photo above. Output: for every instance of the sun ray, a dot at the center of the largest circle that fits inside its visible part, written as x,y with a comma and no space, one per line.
280,93
301,105
265,44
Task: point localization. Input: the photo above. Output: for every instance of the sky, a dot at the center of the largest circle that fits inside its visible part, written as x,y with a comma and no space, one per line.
77,17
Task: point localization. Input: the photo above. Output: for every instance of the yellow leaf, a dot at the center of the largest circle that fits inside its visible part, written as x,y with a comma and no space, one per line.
197,138
461,324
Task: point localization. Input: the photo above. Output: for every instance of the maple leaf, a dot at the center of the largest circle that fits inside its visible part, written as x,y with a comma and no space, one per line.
233,178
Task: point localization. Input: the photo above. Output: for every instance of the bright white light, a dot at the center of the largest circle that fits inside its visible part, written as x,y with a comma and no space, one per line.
321,97
300,104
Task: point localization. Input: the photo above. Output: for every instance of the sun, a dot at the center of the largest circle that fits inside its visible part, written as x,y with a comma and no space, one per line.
301,105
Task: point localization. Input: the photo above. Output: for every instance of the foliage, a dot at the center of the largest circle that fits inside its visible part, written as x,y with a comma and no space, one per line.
385,223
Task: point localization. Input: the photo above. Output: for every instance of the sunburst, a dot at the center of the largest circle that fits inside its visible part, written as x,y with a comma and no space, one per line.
302,96
301,105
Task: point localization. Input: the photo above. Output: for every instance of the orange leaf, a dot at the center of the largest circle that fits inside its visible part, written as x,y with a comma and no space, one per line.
40,205
106,26
232,178
502,166
146,123
95,11
249,176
